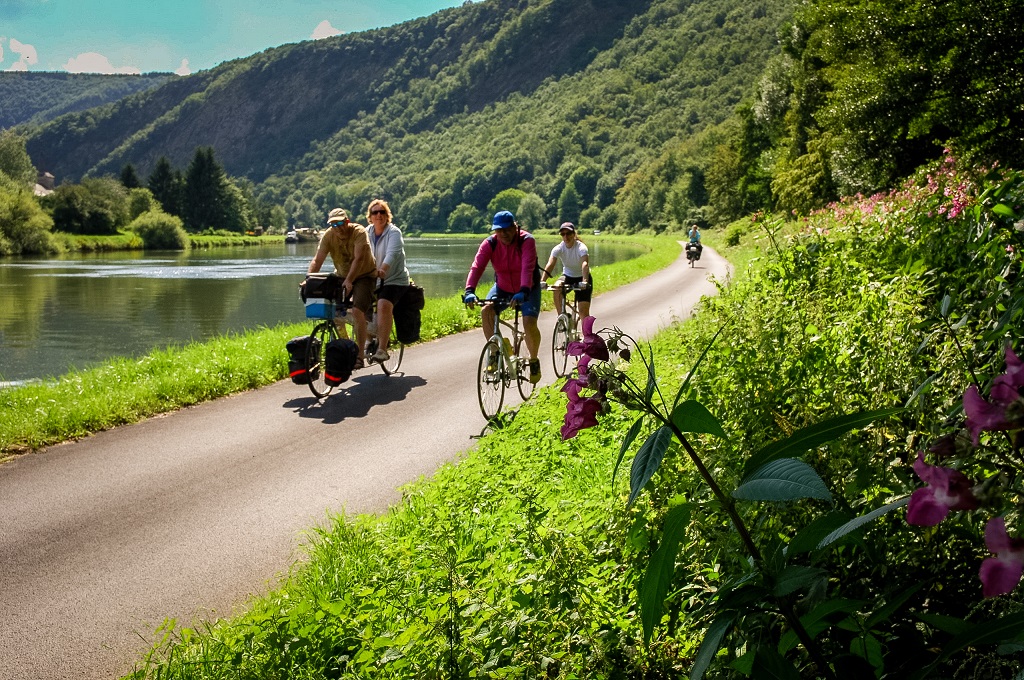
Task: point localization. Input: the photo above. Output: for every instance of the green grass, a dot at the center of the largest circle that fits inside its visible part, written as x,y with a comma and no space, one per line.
128,390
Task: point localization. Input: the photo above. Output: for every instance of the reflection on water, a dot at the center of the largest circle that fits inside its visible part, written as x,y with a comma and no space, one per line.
76,311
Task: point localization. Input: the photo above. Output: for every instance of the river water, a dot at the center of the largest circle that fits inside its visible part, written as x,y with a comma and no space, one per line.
77,311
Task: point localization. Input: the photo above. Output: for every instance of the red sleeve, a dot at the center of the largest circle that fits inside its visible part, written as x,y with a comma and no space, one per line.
483,256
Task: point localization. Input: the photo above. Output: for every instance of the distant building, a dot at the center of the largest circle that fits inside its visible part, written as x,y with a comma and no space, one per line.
44,184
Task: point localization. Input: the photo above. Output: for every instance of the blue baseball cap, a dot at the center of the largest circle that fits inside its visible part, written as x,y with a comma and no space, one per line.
502,220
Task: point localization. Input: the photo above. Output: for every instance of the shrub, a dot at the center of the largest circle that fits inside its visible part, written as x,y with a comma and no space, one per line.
160,231
24,226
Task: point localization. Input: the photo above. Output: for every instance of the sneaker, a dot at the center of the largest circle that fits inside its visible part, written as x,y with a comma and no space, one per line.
535,371
380,356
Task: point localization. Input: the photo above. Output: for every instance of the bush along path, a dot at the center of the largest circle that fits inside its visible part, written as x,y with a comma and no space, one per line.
818,476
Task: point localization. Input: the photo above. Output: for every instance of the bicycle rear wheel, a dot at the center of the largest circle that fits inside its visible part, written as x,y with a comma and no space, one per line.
316,353
559,344
491,380
522,359
396,351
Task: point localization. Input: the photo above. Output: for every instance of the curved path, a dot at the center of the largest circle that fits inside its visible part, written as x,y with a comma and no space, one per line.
185,516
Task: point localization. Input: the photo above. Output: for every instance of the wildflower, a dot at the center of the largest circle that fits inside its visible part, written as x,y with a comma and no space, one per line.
1000,574
579,415
1001,411
947,489
592,345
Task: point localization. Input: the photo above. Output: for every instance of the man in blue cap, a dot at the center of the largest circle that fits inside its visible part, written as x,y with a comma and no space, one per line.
512,253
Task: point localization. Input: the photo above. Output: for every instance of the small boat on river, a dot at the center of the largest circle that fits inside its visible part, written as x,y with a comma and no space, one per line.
291,237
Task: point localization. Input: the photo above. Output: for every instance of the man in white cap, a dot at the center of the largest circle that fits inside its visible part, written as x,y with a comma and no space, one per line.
349,247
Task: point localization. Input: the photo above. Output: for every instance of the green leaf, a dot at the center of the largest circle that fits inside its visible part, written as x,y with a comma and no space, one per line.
788,479
647,461
808,538
997,630
710,644
692,416
858,522
796,577
892,605
770,665
652,382
947,624
819,619
1004,210
631,435
947,302
814,436
662,568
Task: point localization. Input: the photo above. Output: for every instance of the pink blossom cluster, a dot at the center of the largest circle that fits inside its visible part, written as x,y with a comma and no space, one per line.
947,489
581,411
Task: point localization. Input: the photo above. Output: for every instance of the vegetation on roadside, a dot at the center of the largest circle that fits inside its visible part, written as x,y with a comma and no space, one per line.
128,390
525,559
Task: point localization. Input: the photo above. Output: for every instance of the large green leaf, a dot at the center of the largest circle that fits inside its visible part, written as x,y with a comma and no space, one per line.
997,630
692,416
820,618
710,644
813,436
858,522
787,479
797,577
808,538
662,568
647,461
770,665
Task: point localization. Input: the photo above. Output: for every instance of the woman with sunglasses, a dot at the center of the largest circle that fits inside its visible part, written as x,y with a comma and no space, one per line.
392,274
575,268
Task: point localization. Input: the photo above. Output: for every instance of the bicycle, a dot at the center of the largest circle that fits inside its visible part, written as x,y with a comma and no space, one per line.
566,327
326,311
502,362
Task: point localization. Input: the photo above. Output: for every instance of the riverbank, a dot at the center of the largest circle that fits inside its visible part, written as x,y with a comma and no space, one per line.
127,241
128,390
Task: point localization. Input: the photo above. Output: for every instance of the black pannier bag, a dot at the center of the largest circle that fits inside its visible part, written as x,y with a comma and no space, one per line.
339,360
326,286
297,359
407,315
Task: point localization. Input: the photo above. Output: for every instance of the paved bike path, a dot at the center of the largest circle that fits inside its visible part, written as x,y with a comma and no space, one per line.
186,515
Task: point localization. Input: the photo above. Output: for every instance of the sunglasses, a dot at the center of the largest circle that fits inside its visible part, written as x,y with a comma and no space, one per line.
335,224
378,212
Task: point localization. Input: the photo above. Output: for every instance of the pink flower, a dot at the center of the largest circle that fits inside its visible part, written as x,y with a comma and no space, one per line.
1001,574
992,413
592,345
947,489
579,415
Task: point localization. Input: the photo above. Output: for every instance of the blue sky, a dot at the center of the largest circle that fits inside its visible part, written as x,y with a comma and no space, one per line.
184,36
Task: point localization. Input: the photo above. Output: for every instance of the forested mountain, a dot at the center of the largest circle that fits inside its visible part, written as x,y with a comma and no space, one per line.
40,97
618,115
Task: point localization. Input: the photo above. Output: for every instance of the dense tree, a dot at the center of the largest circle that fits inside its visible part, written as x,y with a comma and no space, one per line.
130,178
96,206
24,227
167,186
508,199
205,192
465,218
532,213
14,160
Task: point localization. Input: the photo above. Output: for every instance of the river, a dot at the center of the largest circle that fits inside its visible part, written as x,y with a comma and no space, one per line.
76,311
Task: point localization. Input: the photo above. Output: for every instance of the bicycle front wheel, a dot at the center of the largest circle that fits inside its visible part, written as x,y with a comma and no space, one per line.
490,383
395,352
559,344
316,353
522,359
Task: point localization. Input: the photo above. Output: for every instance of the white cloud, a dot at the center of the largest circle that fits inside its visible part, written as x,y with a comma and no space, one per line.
184,69
94,62
26,55
324,30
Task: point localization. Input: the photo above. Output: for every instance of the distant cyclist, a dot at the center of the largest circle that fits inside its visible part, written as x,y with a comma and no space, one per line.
512,253
695,240
575,268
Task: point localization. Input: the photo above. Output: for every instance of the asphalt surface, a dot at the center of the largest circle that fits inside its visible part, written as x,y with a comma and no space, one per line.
188,515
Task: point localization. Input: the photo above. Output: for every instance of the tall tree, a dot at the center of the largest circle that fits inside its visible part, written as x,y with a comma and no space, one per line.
205,192
166,185
14,160
130,178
